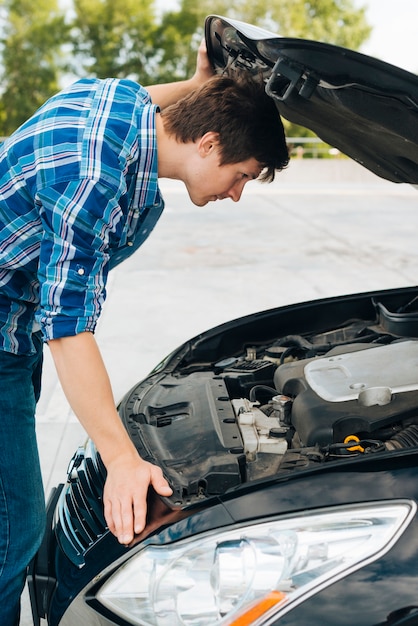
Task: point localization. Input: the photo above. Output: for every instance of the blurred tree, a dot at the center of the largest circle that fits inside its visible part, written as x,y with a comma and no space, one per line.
30,43
114,38
337,22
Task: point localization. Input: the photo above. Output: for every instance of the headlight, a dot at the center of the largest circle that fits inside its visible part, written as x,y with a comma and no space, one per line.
248,574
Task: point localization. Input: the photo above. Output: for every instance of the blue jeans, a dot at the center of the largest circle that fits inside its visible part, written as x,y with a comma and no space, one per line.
22,503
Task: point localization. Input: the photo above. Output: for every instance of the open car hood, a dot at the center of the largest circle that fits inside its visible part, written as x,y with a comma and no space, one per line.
366,108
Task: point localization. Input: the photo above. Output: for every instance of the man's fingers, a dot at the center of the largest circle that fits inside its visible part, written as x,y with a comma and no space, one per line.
125,499
123,519
139,516
108,515
159,483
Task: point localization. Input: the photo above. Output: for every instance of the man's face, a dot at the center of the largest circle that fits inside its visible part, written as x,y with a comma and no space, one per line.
208,180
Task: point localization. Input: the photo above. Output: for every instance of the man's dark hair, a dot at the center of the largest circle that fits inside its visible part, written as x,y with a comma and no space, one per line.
244,116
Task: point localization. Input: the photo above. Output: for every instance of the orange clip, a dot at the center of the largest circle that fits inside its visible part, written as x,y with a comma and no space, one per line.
353,448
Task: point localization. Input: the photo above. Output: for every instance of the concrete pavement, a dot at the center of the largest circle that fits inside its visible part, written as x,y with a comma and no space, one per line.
323,228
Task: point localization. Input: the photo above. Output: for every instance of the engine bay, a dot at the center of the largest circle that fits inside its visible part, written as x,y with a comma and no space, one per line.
289,404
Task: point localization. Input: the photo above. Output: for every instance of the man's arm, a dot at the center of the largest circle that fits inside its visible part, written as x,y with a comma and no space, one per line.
86,384
169,93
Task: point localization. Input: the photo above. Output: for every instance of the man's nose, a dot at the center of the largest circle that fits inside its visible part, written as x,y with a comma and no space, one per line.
236,190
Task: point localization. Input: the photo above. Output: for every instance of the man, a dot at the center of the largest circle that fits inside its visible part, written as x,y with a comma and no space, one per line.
78,194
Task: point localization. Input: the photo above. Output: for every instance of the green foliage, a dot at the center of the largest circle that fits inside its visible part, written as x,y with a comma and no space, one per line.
113,37
30,44
127,38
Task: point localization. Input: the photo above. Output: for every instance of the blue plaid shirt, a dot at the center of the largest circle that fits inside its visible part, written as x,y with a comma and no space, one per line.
78,194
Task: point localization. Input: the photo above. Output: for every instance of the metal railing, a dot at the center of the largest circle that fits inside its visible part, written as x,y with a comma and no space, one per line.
311,148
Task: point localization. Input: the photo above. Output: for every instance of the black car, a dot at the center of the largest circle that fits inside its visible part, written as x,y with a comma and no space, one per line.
289,437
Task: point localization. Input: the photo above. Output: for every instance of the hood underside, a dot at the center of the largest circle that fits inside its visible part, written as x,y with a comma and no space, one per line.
366,108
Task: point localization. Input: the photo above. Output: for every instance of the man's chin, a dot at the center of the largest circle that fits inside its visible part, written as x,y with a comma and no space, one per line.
199,201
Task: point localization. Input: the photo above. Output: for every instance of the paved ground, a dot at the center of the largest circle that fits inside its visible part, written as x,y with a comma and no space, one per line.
321,229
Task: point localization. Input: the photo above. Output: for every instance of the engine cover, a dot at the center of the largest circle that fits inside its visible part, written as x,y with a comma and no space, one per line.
351,391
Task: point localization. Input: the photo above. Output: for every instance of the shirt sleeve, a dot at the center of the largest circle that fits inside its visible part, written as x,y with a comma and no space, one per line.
80,221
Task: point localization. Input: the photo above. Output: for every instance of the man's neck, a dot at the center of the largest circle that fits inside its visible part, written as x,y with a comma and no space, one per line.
170,152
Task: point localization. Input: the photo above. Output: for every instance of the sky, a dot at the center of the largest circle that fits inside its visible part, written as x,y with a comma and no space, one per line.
394,37
395,31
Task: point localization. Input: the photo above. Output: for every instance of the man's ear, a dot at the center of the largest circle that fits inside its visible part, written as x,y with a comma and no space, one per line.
208,143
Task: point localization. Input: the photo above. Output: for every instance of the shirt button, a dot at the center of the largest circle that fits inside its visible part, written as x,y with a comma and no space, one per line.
130,243
81,271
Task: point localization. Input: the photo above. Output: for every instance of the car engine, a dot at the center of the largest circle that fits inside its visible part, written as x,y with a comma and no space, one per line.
282,406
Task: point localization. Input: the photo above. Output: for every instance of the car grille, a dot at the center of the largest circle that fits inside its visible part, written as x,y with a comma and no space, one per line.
80,520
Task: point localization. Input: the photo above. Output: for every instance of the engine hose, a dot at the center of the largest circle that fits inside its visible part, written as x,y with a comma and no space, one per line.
407,438
256,388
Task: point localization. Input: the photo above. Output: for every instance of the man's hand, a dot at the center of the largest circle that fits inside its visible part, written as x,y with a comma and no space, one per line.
169,93
204,69
125,495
